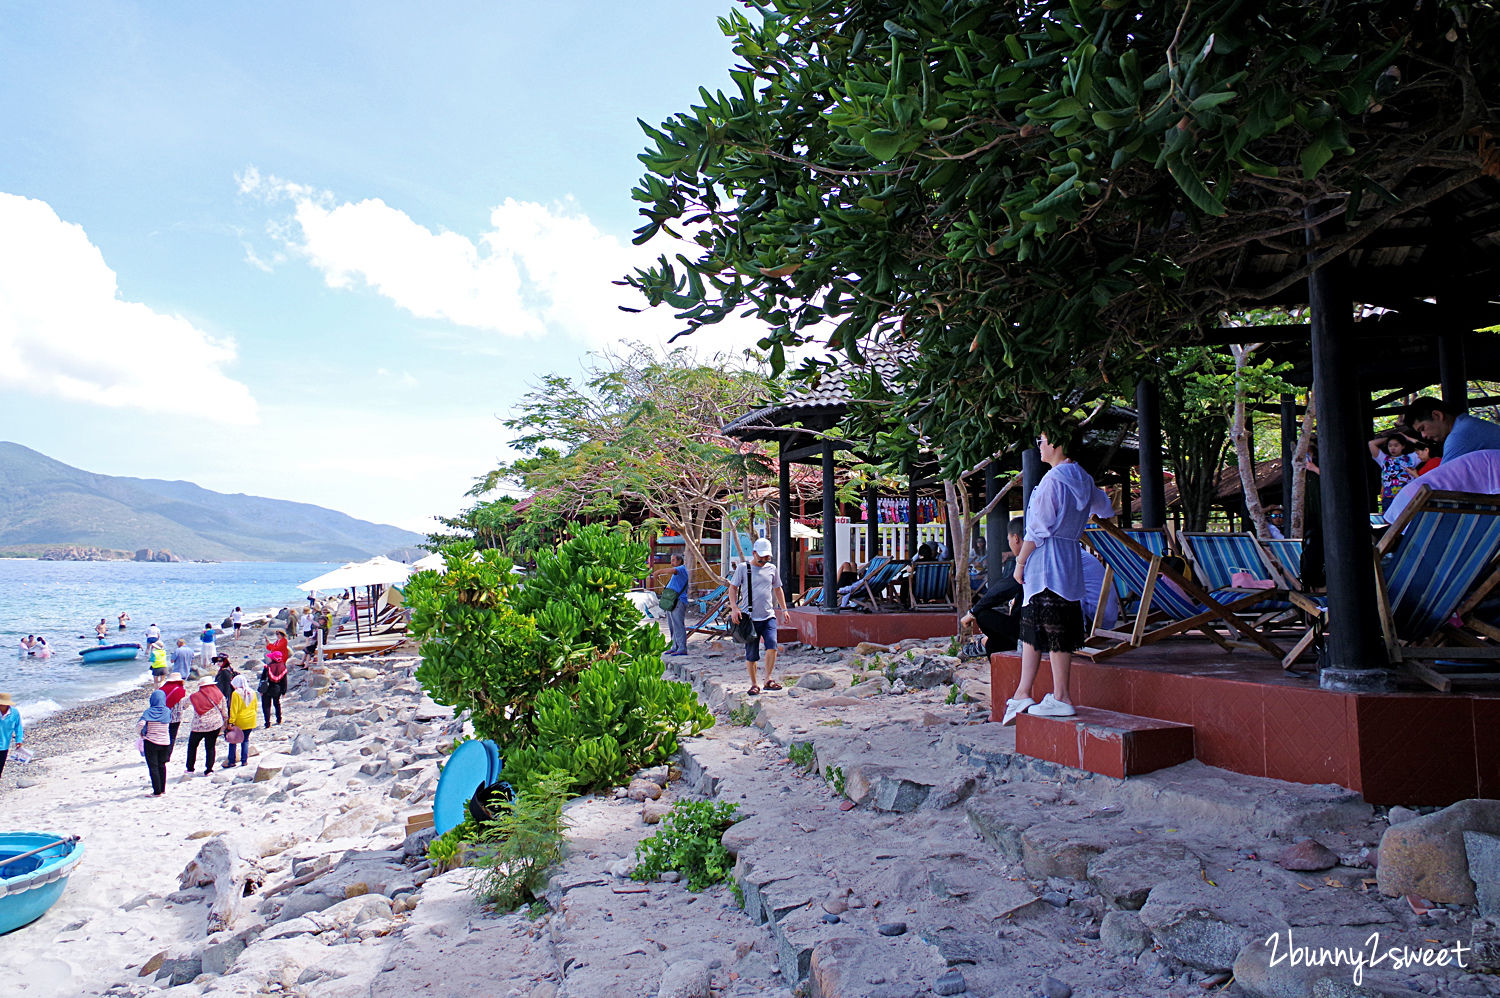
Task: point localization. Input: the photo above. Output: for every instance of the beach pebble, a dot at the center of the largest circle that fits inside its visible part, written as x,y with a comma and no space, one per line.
643,790
685,979
951,983
623,868
346,732
892,928
654,811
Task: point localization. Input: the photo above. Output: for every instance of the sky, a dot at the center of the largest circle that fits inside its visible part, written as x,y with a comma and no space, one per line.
318,251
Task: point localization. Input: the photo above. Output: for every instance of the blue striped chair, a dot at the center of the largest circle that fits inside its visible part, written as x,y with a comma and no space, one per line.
868,592
1288,553
813,596
1154,540
1436,563
1167,610
1217,555
932,585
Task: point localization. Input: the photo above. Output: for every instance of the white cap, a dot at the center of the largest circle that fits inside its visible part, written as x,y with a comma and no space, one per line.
763,546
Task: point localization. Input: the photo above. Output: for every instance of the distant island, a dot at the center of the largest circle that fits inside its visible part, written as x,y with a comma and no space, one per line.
54,511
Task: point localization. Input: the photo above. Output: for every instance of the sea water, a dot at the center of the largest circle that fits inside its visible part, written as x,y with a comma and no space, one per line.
62,601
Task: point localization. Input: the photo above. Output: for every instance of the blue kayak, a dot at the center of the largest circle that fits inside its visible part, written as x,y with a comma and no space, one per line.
123,652
34,878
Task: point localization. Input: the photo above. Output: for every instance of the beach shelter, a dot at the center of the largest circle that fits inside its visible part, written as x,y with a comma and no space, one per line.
378,571
431,563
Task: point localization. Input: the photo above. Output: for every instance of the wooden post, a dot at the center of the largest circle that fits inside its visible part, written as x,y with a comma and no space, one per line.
1453,369
995,539
830,537
1356,656
784,556
1148,437
1290,425
1031,473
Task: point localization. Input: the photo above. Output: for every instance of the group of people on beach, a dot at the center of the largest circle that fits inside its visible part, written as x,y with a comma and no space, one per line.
223,703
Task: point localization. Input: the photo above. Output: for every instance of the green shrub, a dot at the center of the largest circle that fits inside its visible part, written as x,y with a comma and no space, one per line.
744,715
523,842
953,692
558,670
835,777
802,755
689,842
446,851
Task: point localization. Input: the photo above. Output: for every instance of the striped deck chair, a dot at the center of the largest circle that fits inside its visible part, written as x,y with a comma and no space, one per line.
873,569
931,585
715,619
869,592
1154,540
1168,610
700,604
1288,554
1435,564
1216,556
812,597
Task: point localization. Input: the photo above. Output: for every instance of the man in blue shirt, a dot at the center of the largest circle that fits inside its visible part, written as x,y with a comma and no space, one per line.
677,616
1458,432
11,734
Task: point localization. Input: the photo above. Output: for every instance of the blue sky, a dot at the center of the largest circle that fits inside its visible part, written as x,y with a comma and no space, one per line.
313,251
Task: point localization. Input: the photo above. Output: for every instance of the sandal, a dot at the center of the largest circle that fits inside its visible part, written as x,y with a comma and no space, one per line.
772,684
755,691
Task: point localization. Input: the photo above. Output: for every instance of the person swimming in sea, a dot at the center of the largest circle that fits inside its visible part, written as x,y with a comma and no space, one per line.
124,617
100,630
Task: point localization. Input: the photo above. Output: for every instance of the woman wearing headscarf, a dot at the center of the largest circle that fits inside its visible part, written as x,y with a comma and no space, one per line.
177,703
273,684
209,718
224,678
156,742
243,717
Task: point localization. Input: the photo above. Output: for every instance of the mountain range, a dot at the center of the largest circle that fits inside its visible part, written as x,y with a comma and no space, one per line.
46,504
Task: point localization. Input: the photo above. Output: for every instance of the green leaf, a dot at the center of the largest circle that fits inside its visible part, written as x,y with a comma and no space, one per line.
1315,157
882,143
1192,185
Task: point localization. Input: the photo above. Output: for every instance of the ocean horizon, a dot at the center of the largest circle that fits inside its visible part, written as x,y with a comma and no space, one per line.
63,601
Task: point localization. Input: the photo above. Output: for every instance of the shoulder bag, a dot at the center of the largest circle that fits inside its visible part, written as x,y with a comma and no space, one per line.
744,631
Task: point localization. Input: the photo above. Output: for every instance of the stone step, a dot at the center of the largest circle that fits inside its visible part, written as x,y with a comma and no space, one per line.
1105,742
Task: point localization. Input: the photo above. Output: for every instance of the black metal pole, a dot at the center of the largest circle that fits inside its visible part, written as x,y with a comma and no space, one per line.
784,556
911,516
830,537
1289,429
995,539
872,522
1031,473
1452,369
1356,654
1148,436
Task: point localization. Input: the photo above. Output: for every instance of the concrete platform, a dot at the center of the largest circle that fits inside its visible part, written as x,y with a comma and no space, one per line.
845,629
1414,747
1106,742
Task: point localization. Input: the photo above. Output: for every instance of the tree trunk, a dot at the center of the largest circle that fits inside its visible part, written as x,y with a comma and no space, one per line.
1299,469
959,515
1239,435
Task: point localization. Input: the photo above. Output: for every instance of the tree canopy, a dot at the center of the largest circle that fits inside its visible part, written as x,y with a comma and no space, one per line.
1036,194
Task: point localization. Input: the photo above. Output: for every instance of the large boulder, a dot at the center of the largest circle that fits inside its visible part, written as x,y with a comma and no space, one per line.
923,672
1426,856
1483,851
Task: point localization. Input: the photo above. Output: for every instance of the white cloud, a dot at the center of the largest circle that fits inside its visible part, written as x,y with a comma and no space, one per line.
66,332
536,271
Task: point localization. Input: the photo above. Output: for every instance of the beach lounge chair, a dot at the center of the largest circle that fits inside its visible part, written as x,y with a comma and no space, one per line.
715,619
1217,555
813,597
931,585
875,566
1170,603
700,604
869,592
1434,565
1154,540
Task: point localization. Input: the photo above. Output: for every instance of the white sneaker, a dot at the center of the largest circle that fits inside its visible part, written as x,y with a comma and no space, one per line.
1053,707
1014,706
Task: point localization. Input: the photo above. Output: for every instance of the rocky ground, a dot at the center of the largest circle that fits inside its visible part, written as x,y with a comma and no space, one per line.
893,844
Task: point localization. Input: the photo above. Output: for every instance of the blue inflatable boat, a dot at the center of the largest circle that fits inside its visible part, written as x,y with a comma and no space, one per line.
110,653
34,869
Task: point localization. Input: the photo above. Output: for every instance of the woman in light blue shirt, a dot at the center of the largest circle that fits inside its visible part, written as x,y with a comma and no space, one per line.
1049,567
677,616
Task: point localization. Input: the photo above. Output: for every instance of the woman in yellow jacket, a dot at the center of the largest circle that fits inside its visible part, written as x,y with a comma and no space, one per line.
244,715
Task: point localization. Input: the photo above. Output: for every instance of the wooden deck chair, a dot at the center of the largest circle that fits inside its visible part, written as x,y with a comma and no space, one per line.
1436,563
1217,555
1168,610
812,597
931,585
715,619
873,569
701,604
1154,540
869,593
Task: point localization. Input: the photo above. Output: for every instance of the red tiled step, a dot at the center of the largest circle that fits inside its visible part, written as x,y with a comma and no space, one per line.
1102,741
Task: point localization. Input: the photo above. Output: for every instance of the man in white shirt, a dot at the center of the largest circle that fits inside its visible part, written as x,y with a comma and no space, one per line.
764,601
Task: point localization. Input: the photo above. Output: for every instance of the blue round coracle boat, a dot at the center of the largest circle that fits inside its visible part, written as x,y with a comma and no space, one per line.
34,869
123,652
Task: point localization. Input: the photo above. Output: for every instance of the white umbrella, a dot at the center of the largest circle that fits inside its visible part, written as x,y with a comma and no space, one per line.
802,532
378,571
431,563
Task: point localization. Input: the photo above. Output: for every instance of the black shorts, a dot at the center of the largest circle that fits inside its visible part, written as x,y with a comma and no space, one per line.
1051,623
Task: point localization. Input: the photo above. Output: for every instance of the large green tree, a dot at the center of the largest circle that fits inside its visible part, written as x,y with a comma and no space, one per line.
642,428
1037,194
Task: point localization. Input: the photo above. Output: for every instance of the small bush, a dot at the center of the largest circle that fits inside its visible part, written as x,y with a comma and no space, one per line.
953,692
523,843
802,755
446,851
689,842
836,779
744,715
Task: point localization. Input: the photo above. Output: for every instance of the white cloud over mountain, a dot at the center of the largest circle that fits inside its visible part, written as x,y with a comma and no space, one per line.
65,331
